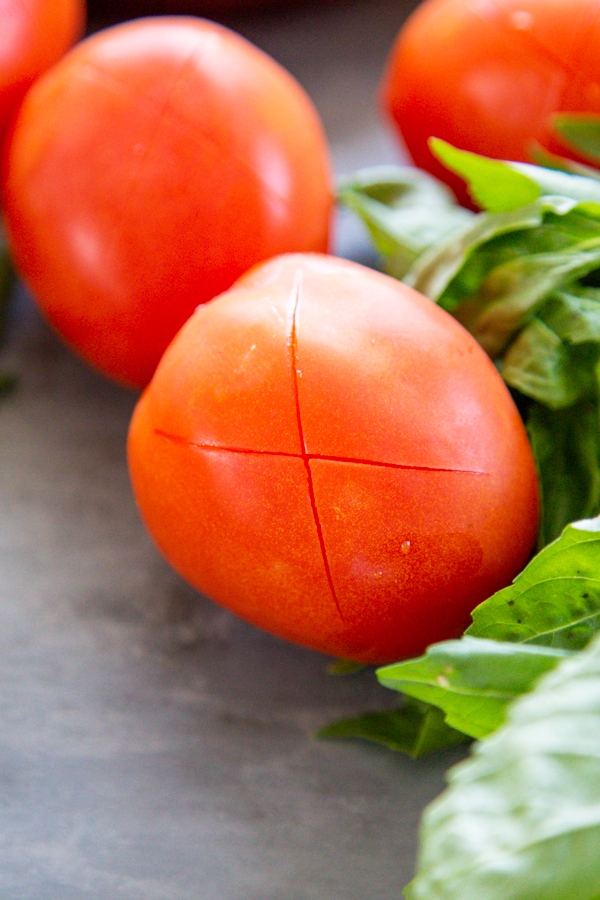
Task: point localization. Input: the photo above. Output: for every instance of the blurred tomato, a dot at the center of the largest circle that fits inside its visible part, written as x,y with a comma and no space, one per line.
34,34
333,457
147,171
487,75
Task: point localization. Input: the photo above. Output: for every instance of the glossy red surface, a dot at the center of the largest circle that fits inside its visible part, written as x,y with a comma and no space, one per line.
333,457
147,171
487,75
34,34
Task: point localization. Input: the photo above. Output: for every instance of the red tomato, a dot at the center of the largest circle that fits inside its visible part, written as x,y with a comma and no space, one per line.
147,171
333,457
487,75
34,34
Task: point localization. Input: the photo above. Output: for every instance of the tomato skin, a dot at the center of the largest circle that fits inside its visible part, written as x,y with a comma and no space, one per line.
148,170
34,35
487,76
330,455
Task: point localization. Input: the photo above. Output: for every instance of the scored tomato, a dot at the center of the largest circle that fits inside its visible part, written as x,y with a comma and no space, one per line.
149,169
488,75
34,34
333,457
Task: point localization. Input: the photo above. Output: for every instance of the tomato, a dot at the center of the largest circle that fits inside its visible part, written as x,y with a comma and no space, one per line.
33,36
487,75
333,457
147,171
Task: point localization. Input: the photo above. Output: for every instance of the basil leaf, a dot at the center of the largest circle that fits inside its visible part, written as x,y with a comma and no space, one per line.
404,210
415,729
566,447
492,184
542,157
581,132
500,186
555,601
584,190
514,290
471,680
343,667
520,819
574,314
542,366
434,271
526,283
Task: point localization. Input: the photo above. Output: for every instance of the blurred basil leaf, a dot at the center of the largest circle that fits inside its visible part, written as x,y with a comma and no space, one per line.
404,210
494,185
580,131
343,667
415,729
520,818
542,157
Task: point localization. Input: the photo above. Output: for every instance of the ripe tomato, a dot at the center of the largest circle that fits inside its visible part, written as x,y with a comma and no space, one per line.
333,457
147,171
34,34
487,75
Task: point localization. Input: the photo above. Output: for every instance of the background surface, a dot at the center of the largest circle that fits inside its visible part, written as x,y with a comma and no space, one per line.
152,746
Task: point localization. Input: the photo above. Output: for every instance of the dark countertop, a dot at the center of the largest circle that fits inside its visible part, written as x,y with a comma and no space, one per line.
152,746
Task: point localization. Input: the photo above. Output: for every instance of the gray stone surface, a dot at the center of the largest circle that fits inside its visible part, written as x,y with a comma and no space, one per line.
152,746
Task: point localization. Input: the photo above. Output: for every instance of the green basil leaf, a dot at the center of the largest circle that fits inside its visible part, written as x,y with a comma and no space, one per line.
513,291
492,184
580,131
542,157
520,819
471,680
552,234
574,314
343,667
500,186
415,729
555,601
566,447
541,365
433,271
405,211
584,190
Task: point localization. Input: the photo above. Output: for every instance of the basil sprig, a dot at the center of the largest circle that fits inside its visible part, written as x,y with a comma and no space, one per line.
524,277
520,819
